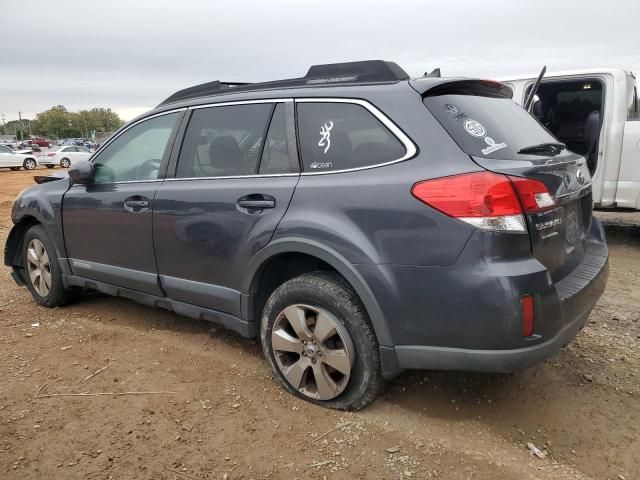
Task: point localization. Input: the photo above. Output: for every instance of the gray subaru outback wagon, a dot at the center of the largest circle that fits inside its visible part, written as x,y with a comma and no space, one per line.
358,221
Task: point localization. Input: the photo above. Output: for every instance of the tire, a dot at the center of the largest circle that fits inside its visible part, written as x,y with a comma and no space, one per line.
50,166
65,162
326,295
15,169
29,164
56,295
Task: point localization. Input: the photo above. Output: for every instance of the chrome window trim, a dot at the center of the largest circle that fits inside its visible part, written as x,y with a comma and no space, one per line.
410,147
264,175
241,102
157,180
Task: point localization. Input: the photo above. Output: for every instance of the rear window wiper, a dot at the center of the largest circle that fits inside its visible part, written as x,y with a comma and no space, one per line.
555,147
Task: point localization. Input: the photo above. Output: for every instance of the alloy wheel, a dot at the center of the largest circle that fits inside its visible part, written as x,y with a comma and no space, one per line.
313,351
39,267
65,163
29,164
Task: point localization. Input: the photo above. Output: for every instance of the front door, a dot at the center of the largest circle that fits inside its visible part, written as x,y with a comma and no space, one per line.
230,190
107,225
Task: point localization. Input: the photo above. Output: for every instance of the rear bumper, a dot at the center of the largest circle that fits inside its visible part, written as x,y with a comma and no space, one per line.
499,361
578,293
468,316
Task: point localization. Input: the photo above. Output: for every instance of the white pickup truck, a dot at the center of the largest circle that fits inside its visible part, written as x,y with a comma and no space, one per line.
595,113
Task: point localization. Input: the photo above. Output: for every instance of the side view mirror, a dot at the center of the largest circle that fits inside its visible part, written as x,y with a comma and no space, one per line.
81,172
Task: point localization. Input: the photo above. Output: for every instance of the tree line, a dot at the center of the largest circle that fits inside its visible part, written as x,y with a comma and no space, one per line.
58,122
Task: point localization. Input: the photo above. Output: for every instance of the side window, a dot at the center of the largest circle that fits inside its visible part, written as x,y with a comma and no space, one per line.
136,155
223,141
338,136
71,149
275,154
4,149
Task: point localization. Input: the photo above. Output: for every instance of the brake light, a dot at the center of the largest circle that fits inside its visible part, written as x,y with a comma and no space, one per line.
527,316
533,194
485,200
51,154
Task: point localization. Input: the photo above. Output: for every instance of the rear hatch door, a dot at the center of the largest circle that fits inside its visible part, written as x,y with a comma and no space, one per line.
502,137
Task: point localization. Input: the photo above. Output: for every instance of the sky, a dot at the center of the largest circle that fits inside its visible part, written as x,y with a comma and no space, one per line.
131,54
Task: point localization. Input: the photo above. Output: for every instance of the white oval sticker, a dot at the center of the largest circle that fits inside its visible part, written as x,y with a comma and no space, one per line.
474,128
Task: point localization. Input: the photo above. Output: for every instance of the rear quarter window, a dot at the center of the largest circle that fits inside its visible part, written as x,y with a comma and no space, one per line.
341,136
488,127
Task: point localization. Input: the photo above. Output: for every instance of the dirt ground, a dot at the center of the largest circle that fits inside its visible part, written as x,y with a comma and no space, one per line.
218,414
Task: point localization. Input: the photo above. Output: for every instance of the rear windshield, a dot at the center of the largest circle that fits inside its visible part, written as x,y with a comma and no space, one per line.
488,127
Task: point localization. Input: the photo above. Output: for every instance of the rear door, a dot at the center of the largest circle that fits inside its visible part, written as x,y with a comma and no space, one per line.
233,179
499,135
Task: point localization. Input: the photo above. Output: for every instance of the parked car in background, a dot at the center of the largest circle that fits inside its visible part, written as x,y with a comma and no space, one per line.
41,142
16,159
64,156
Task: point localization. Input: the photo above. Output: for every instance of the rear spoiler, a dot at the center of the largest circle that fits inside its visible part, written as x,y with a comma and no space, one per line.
429,87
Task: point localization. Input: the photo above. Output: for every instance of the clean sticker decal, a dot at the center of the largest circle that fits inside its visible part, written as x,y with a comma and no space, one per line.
325,136
493,146
474,128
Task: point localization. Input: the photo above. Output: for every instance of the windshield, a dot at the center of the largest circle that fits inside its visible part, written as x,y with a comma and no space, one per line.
488,127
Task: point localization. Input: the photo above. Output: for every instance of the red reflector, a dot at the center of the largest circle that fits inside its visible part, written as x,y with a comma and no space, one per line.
482,194
51,154
533,194
527,316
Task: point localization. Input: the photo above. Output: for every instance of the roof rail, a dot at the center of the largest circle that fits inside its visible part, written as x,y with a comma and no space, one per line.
368,71
201,90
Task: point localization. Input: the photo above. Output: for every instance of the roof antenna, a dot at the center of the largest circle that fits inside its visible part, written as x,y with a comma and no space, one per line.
434,73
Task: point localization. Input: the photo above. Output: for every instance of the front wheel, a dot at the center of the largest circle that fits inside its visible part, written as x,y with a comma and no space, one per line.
43,275
65,162
319,342
29,164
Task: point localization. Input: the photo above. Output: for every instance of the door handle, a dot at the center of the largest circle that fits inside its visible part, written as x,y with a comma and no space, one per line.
136,204
256,202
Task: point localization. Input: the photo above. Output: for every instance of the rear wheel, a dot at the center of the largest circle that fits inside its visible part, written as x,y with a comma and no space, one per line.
43,276
319,342
29,164
65,162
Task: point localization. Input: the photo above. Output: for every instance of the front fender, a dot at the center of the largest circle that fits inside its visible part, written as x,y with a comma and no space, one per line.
38,205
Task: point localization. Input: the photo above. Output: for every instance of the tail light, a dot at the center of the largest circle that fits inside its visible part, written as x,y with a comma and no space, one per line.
533,194
51,154
486,200
528,325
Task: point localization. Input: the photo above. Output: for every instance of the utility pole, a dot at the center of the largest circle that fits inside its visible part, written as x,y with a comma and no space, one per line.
4,126
21,127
